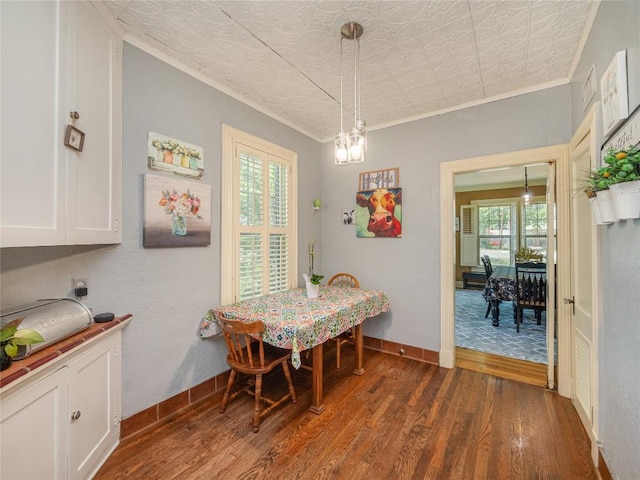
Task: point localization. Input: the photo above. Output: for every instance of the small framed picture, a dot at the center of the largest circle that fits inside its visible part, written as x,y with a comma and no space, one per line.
74,138
389,178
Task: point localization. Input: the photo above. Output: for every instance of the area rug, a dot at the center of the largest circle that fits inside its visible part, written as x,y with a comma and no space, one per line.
475,332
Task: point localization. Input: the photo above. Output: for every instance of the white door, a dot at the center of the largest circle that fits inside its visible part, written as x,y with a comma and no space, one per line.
583,292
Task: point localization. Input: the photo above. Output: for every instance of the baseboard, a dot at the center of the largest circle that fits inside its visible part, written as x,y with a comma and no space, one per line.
603,469
212,390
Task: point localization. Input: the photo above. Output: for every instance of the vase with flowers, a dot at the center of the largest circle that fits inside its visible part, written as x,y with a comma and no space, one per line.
166,149
180,206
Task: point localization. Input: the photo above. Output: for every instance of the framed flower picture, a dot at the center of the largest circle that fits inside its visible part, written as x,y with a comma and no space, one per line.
177,213
175,156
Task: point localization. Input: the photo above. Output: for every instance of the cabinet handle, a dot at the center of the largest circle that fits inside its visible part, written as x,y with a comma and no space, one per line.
74,115
76,415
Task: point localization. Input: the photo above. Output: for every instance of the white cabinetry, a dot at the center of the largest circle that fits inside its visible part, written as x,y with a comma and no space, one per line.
63,422
59,57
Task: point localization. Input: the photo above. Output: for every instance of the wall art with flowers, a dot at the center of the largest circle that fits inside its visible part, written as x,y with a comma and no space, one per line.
177,213
175,156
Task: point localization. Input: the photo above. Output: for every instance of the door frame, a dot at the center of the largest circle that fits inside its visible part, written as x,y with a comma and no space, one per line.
559,155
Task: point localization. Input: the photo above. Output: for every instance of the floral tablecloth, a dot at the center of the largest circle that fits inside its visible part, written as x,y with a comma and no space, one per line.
298,323
501,285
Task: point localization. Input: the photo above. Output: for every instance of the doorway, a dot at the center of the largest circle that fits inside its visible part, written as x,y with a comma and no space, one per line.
448,170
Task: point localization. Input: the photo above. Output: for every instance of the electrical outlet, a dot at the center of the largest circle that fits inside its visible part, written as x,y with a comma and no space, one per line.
78,283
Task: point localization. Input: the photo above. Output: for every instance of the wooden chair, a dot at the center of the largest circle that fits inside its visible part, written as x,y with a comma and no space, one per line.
531,290
488,270
343,280
251,356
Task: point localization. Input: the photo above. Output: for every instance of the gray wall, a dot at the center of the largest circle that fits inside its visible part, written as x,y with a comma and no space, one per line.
617,28
408,269
168,290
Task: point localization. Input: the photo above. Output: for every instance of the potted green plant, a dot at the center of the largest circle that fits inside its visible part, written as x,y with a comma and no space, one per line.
11,337
621,175
527,254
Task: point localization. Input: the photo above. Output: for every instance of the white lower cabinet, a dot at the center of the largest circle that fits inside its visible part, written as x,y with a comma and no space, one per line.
64,423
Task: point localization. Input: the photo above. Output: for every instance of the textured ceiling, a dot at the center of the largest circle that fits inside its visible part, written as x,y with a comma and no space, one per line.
418,57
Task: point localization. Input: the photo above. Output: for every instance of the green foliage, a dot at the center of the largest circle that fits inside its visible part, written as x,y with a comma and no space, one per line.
11,337
527,254
620,166
315,279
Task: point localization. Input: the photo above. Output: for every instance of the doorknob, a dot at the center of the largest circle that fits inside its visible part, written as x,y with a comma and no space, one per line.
571,301
75,415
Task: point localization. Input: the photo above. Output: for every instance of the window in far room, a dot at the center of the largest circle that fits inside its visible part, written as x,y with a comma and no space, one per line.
259,226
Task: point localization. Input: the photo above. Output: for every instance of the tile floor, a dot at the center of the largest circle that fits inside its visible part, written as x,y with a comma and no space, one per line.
475,332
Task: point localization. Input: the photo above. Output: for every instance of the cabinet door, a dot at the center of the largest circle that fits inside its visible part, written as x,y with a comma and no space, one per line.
34,431
94,406
33,157
94,183
57,58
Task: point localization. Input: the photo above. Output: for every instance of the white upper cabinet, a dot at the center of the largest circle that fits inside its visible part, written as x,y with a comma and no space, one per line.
58,58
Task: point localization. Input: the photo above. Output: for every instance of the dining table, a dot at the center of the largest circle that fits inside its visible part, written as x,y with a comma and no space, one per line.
298,323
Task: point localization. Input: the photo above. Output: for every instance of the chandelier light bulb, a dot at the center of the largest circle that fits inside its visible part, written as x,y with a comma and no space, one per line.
341,151
356,144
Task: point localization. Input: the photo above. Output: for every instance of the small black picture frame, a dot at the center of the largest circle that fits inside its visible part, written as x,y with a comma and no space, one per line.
74,138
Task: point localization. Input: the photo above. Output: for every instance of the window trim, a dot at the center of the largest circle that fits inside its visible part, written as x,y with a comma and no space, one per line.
231,137
514,205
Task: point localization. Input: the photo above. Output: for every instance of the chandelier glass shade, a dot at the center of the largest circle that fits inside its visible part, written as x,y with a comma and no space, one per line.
350,145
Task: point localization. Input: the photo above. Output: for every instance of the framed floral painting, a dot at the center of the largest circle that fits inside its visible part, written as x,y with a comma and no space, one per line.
175,156
177,213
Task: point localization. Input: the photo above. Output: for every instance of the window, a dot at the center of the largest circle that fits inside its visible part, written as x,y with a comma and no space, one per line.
259,240
496,227
534,227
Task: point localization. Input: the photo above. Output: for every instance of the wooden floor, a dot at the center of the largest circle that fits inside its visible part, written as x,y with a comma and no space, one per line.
401,420
511,368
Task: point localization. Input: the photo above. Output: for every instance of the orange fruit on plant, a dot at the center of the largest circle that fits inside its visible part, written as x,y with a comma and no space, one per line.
606,174
621,155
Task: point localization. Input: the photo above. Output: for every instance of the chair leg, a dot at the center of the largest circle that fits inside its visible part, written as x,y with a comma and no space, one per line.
256,407
338,352
225,398
519,319
287,375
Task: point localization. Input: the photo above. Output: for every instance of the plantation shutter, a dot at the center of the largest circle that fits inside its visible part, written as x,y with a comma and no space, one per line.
514,229
278,227
469,256
264,233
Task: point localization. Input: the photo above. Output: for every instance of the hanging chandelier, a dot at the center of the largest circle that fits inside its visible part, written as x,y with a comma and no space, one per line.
526,195
350,146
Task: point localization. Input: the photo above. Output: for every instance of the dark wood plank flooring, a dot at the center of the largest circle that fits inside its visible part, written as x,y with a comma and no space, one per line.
401,420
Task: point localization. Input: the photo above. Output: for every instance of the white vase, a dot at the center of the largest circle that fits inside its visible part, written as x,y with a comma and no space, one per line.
312,289
595,210
606,206
625,198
